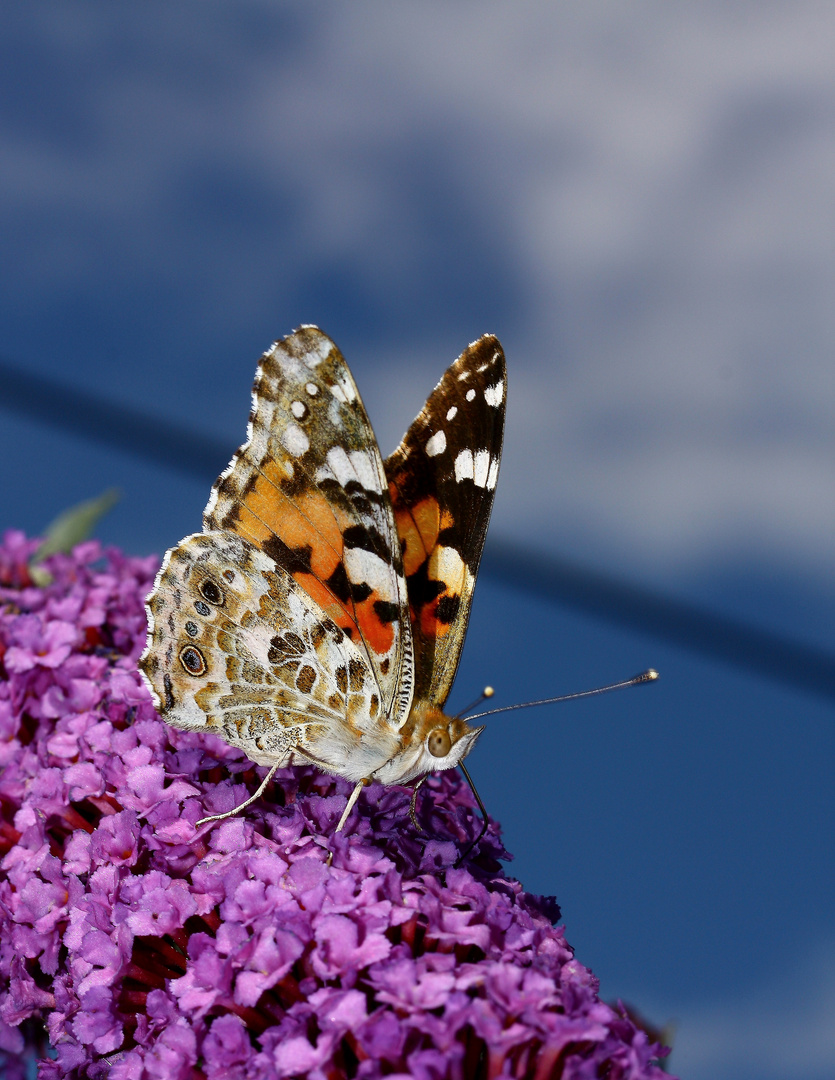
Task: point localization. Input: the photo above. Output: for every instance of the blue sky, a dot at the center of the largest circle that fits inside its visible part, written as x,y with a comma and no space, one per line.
637,200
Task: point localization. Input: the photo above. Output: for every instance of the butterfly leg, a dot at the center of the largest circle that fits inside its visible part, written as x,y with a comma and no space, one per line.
413,803
349,806
251,799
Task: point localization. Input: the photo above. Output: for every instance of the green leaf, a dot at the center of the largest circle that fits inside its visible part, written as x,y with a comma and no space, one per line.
70,528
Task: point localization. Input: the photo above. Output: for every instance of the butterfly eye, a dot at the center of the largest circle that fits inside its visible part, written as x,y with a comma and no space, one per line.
438,742
192,660
211,592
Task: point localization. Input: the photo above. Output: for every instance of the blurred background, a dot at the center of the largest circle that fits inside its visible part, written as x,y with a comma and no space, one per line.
637,199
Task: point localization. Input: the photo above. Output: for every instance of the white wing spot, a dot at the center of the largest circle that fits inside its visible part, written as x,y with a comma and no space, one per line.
344,467
447,565
364,567
493,394
470,395
298,409
344,391
335,414
436,445
453,412
493,475
337,467
481,468
320,351
464,466
294,440
312,389
365,468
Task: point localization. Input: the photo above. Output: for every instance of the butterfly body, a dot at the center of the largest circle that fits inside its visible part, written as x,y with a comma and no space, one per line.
319,617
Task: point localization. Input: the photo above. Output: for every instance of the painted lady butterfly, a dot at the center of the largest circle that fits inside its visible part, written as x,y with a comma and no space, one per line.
319,617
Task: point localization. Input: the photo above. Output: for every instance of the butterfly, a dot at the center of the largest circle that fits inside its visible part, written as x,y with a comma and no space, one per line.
320,615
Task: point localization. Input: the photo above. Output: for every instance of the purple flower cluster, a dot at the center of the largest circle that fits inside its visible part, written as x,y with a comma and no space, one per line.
149,947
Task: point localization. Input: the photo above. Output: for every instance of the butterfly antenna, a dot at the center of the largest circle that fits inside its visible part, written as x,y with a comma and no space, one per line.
650,675
486,693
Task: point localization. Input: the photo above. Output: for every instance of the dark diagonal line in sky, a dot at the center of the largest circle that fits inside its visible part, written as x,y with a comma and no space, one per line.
675,622
547,577
120,427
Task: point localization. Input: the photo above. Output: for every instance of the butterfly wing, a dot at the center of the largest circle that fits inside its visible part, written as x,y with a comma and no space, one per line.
308,489
441,481
237,648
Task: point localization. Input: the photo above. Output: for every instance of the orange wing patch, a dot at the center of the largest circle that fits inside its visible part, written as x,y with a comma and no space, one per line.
418,527
436,575
359,617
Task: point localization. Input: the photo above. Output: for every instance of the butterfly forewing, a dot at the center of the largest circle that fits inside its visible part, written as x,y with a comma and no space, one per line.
441,480
308,489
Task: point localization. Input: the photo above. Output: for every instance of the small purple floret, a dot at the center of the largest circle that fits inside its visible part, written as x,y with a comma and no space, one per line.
145,947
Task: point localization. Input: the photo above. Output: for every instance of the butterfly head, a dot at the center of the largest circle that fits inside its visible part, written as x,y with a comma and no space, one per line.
430,740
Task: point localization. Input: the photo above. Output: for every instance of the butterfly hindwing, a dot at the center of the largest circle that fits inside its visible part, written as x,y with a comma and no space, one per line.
308,489
441,481
238,649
